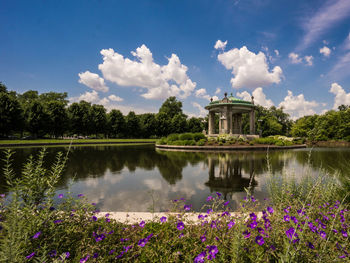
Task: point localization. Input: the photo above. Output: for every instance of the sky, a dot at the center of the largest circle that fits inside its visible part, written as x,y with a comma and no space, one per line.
132,55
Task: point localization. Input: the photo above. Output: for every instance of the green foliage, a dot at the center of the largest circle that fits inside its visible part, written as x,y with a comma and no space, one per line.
201,142
11,114
199,136
195,125
186,136
116,123
173,137
132,125
171,107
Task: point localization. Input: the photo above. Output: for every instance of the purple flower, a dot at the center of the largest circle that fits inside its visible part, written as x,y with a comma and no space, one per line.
344,233
310,245
226,213
226,203
83,260
81,195
203,238
246,234
187,207
252,216
108,220
30,255
111,252
210,198
212,251
273,247
67,254
36,235
270,210
100,237
180,225
94,218
2,195
253,224
142,242
290,232
230,224
142,224
209,211
218,194
53,253
149,237
253,199
163,219
286,218
181,235
294,219
57,221
95,255
60,196
323,234
259,240
200,258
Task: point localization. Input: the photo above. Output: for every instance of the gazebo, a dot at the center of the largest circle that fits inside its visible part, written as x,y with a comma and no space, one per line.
230,110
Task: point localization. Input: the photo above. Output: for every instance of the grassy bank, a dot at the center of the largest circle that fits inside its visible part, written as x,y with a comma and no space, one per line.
68,141
306,221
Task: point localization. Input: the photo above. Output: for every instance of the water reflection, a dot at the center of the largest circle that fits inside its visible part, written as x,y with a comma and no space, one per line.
129,178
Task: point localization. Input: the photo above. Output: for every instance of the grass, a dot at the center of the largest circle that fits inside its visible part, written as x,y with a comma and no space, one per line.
307,220
67,141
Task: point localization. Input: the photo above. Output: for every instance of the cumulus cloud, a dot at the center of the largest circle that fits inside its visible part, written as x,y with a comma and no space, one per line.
325,51
341,97
202,93
93,81
159,81
217,91
250,70
259,97
277,52
115,98
309,60
220,45
294,58
202,112
330,13
87,96
297,106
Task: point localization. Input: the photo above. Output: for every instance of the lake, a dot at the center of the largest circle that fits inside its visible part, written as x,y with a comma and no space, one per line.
141,178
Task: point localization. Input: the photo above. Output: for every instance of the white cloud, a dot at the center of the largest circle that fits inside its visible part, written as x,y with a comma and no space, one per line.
277,52
220,45
93,81
297,106
250,70
259,97
202,93
202,112
294,58
341,97
159,81
115,98
332,12
325,51
87,96
309,60
217,91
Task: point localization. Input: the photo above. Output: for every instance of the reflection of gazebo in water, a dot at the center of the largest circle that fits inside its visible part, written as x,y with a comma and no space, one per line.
230,110
230,178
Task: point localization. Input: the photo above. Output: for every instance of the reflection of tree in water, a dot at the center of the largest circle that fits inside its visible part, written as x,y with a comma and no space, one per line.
331,160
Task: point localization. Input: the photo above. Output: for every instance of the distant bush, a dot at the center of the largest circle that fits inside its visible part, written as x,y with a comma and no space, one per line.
186,136
162,141
198,136
190,142
201,142
173,137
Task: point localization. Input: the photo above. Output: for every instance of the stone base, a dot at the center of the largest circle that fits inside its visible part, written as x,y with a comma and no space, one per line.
249,137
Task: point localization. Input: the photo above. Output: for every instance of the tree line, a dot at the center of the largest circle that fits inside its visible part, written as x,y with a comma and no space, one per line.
50,115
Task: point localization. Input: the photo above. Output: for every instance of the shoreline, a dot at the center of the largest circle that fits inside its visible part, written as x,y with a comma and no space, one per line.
73,143
229,148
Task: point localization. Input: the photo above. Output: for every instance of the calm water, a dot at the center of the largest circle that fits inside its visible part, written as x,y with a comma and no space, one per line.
128,178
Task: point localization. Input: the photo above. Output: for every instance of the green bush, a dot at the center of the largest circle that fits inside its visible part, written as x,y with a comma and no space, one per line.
162,141
199,136
173,137
201,142
186,136
190,142
279,143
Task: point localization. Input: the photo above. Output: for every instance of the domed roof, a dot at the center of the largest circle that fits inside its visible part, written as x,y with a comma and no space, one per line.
229,101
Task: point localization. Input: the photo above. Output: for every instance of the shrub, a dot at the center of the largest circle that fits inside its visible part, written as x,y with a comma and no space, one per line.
201,142
199,136
162,141
173,137
190,142
279,143
186,136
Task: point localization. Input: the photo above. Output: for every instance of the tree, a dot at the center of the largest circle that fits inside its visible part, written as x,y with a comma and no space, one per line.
148,124
54,96
98,119
163,124
58,118
178,124
79,117
11,114
132,125
171,107
3,88
116,123
37,119
195,125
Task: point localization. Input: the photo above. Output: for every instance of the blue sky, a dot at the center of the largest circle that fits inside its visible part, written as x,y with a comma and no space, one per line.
131,55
